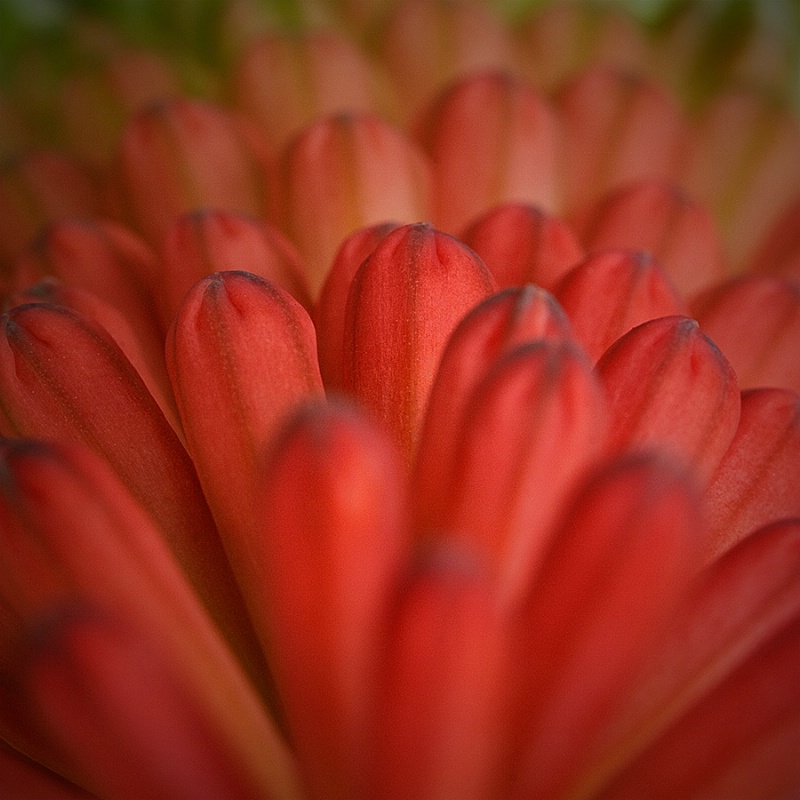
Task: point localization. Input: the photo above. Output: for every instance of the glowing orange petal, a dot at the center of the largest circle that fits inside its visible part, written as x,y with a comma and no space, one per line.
634,289
332,306
327,564
491,139
631,532
522,244
343,173
756,323
758,479
180,155
405,301
742,163
213,240
440,712
670,388
656,217
531,428
306,76
428,45
618,128
241,356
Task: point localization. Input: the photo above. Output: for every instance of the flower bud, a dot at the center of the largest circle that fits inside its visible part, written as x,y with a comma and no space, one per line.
756,323
671,389
343,173
634,290
404,303
522,244
491,139
660,219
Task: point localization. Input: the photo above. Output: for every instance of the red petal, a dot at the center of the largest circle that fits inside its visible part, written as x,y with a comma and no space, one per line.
327,560
758,479
633,288
404,303
669,388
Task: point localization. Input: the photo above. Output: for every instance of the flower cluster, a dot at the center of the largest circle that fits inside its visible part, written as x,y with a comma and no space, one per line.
400,400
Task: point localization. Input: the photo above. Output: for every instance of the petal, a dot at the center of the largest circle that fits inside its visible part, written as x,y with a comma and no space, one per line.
756,323
35,189
328,561
71,530
405,301
678,232
778,253
332,305
522,244
758,479
532,426
242,356
180,155
634,289
738,606
491,139
306,76
670,388
742,163
64,378
493,328
440,708
213,240
608,583
618,128
119,706
24,779
343,173
428,45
